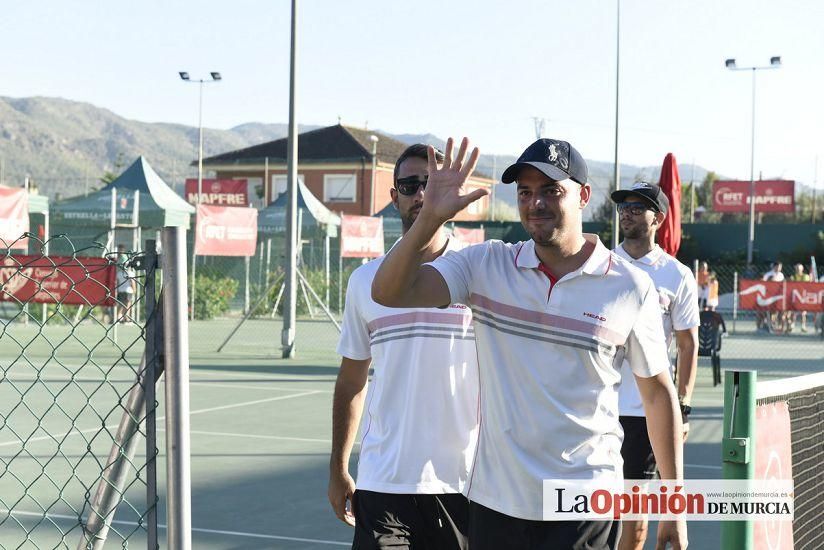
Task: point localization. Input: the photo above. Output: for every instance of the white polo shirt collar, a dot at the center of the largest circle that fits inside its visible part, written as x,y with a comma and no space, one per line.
651,258
597,264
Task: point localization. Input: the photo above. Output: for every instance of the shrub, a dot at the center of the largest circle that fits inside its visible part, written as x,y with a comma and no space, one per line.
213,294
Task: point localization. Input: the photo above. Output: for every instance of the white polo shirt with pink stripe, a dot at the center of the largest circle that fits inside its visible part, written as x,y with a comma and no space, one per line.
549,359
420,421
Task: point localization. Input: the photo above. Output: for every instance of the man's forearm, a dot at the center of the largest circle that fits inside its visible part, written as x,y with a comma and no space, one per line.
665,431
347,408
396,276
687,344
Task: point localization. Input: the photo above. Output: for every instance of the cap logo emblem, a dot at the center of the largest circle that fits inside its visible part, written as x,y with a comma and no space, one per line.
553,153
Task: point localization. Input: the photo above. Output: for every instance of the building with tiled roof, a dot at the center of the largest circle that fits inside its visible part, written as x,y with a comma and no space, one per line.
336,164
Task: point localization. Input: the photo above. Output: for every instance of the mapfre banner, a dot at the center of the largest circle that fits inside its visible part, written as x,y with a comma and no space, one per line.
14,217
219,192
225,231
784,296
770,196
57,279
361,237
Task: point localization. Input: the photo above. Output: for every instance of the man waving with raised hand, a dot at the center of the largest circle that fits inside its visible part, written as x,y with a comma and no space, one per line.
554,318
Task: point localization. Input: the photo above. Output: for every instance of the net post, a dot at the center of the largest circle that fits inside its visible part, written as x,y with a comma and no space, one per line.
176,357
738,447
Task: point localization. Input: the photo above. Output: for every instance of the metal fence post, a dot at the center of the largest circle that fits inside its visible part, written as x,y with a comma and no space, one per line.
738,447
154,334
734,300
176,347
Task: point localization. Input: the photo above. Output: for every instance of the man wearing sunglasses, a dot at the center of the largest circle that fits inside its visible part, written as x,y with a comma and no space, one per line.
642,210
554,316
422,404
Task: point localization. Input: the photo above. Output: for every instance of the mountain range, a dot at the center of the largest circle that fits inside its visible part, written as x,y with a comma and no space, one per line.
65,147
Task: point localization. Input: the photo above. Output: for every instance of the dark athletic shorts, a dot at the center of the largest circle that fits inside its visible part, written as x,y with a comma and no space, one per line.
417,522
491,530
639,462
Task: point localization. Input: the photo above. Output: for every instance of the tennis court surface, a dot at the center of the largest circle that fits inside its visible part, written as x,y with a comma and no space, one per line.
261,433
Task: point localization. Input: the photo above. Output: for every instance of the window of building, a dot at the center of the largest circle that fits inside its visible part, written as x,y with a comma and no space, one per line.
339,188
279,182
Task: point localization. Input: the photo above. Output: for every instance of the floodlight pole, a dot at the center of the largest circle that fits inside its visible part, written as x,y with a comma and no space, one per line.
200,82
616,173
775,63
290,306
374,139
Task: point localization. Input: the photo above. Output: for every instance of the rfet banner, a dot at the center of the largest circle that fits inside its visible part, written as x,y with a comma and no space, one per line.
219,192
770,196
225,231
57,279
361,237
14,217
783,296
773,460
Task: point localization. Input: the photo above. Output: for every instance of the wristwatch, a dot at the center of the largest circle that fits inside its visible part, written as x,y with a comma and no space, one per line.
685,409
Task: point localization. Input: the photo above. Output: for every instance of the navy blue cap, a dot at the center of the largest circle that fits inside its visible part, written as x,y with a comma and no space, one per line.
557,159
647,192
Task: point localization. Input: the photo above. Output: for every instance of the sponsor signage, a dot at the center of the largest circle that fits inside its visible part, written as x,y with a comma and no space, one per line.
219,192
468,237
361,237
57,280
14,217
225,231
770,196
783,296
773,460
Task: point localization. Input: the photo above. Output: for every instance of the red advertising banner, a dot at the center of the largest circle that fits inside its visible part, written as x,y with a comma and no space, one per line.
773,460
361,237
14,217
58,279
770,196
783,296
468,237
225,231
219,192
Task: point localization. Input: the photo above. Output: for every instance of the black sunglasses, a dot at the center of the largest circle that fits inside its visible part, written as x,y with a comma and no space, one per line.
409,186
634,208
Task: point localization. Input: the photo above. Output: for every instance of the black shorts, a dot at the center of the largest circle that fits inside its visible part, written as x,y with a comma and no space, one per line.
419,522
639,461
491,530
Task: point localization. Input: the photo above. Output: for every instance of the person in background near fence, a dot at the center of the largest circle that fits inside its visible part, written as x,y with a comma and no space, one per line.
553,317
125,279
712,291
776,319
702,277
801,277
642,210
422,403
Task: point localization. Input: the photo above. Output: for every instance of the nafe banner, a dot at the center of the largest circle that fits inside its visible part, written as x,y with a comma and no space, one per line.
361,237
783,296
774,196
225,231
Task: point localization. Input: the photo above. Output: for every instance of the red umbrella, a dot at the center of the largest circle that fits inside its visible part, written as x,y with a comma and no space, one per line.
669,234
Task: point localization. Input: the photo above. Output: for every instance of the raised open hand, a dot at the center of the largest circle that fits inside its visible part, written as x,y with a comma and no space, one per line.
445,194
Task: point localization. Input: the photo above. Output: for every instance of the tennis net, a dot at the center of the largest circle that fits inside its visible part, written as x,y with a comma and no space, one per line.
802,399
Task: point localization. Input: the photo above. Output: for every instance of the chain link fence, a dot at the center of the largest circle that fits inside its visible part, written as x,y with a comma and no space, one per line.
76,453
785,341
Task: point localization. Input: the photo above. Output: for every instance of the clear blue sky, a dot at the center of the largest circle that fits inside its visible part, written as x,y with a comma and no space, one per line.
480,68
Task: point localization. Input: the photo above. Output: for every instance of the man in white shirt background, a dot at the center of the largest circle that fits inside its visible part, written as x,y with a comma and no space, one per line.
642,209
421,420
